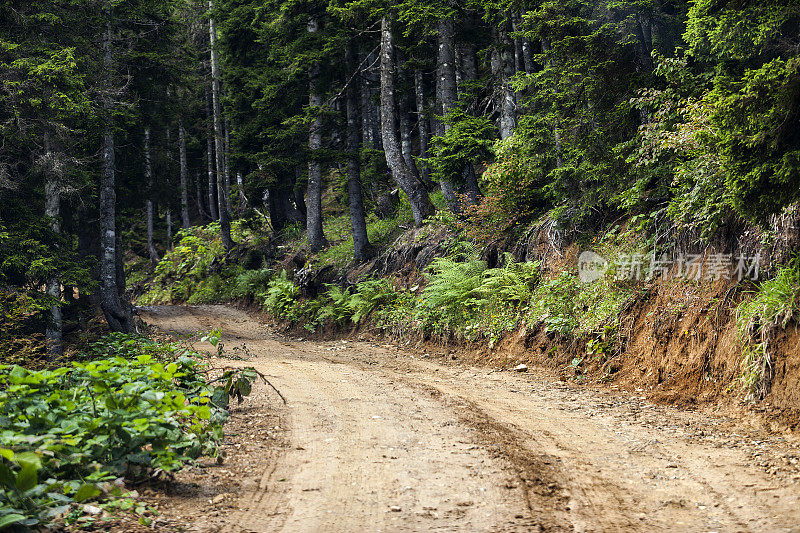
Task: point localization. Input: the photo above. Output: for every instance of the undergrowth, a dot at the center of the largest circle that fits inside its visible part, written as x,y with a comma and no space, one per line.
145,409
769,309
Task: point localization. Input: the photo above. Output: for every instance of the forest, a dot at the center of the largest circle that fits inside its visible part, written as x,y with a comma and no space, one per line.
426,170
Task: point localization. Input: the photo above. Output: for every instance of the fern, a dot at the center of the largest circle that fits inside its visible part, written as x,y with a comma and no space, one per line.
280,298
336,306
512,284
370,295
251,284
449,298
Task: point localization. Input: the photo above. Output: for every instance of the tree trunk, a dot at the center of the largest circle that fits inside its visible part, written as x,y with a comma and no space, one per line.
299,197
222,201
148,176
503,64
447,87
361,246
201,210
52,203
316,238
421,206
468,64
210,158
168,216
185,222
370,113
227,169
524,51
422,124
117,314
406,144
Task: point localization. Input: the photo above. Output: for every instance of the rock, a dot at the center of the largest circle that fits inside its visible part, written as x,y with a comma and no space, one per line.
521,368
91,509
218,498
395,508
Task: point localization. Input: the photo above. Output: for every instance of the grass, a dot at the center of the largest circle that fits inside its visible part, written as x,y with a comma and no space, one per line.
771,307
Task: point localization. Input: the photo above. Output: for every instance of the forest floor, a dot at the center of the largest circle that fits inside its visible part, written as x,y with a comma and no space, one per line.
373,438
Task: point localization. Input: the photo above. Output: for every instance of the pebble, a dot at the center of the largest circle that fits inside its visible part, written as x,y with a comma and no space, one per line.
521,368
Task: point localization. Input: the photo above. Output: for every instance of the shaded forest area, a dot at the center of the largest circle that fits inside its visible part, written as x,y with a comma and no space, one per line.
291,153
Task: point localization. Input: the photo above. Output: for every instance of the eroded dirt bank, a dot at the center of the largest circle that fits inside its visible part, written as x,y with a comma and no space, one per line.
373,439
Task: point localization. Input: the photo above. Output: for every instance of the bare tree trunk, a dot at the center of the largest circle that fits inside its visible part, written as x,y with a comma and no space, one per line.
243,200
201,210
422,123
502,65
168,216
370,113
523,46
148,176
52,204
185,222
468,64
117,314
227,153
421,206
210,158
447,87
469,67
300,197
367,128
222,201
361,246
316,237
406,144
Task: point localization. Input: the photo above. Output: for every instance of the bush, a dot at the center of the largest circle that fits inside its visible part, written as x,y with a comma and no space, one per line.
371,295
280,298
554,304
67,432
449,300
770,308
252,284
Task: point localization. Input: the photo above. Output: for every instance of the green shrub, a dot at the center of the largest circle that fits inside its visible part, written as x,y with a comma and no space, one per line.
67,432
335,307
371,295
770,308
449,300
252,284
280,298
554,303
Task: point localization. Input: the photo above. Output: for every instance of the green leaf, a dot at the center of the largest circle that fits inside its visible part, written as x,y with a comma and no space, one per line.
87,492
10,519
27,477
244,387
7,477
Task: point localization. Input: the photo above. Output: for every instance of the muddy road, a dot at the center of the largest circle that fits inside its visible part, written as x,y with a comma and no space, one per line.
375,439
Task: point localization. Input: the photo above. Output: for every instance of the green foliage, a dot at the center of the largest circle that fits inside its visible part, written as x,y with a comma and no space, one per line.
20,326
195,271
371,295
449,300
555,304
770,308
146,408
252,284
335,307
280,298
468,140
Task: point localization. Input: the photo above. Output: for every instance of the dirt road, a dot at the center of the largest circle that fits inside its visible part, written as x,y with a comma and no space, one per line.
374,439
